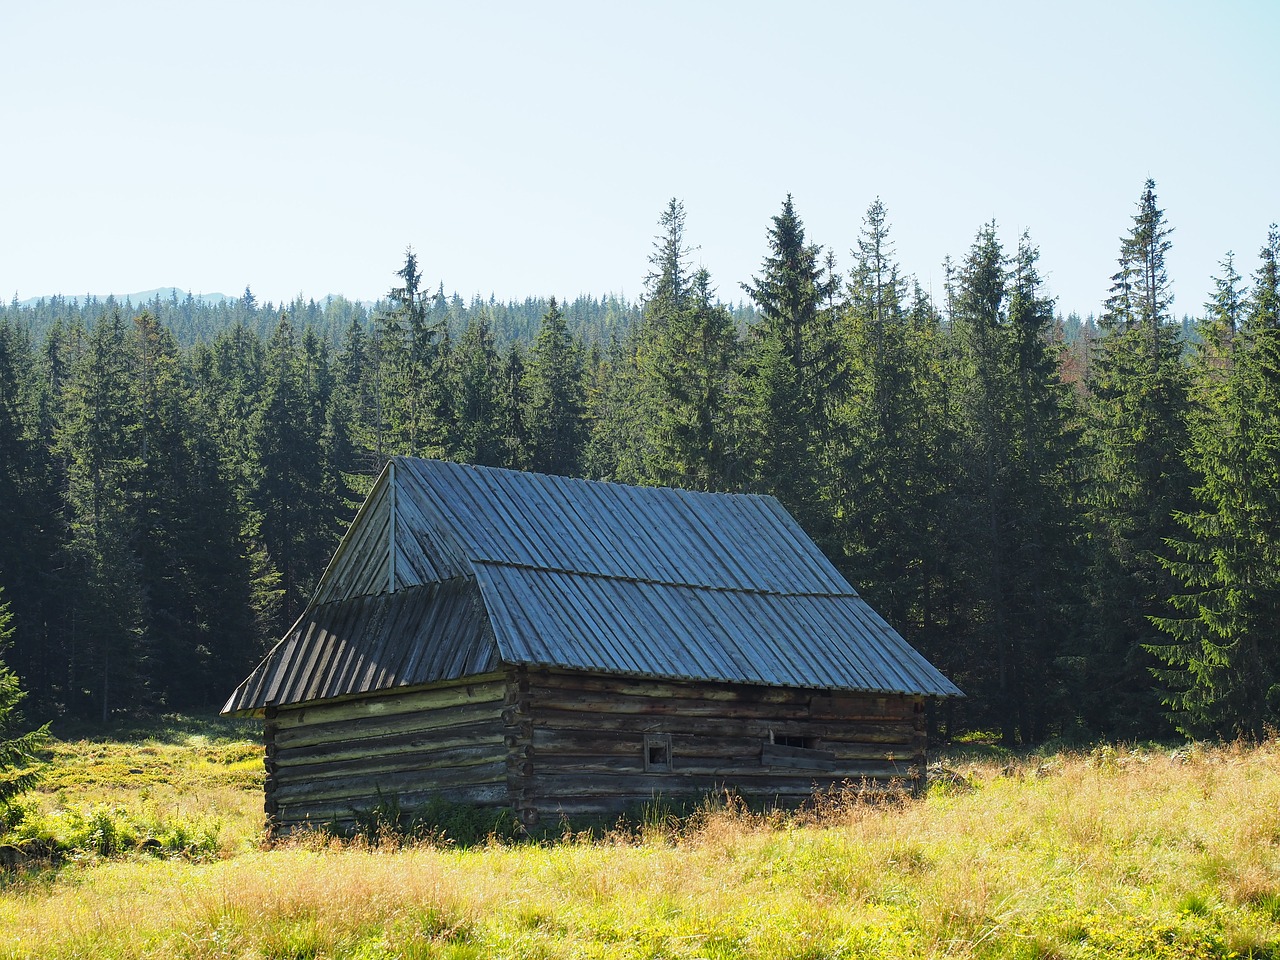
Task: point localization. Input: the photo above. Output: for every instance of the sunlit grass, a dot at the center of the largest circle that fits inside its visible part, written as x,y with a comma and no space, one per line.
176,786
1113,852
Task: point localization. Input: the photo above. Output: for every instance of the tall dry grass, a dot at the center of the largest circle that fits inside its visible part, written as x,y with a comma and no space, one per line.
1112,853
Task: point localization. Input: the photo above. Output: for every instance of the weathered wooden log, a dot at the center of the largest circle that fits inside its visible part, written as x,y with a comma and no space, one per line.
816,704
375,727
323,813
445,738
762,783
779,755
475,690
365,789
546,681
595,807
423,761
564,701
886,732
591,743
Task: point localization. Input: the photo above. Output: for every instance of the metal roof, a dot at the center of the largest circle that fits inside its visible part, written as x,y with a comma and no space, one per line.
451,570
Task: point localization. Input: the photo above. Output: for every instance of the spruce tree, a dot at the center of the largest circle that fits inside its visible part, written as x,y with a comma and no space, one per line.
618,414
513,410
299,511
19,752
1014,449
1137,479
165,514
1220,662
413,347
29,525
235,592
107,659
357,385
892,484
556,389
686,354
476,396
793,379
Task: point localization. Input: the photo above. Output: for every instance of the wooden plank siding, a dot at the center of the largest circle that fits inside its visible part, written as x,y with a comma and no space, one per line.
327,761
578,742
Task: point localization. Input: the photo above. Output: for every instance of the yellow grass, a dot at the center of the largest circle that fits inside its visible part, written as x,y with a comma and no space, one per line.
1113,853
200,777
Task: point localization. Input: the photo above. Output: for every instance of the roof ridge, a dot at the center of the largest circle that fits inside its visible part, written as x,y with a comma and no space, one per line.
654,581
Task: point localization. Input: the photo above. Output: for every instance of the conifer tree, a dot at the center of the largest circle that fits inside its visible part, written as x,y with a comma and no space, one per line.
19,760
414,348
164,512
298,518
617,444
356,389
1137,479
1220,661
513,411
475,391
686,353
235,592
107,660
28,519
556,390
1016,552
891,483
668,284
793,376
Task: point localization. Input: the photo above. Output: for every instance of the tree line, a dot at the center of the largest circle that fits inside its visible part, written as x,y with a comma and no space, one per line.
193,319
1077,522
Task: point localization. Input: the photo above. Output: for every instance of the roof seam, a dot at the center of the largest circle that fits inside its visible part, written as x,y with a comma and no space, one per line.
621,578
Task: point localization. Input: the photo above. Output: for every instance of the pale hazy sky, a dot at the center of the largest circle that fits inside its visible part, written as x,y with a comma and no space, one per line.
528,148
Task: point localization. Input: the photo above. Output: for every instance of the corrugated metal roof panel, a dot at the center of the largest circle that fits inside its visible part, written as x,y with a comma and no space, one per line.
414,636
729,541
550,618
359,565
495,566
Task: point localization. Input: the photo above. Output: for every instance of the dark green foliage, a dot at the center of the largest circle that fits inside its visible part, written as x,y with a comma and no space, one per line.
415,411
686,354
793,377
1138,480
1221,665
30,525
108,656
297,451
477,397
892,478
556,390
1015,449
19,760
176,477
617,446
513,410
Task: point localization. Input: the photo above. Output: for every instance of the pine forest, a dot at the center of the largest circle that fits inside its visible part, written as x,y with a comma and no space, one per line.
1077,520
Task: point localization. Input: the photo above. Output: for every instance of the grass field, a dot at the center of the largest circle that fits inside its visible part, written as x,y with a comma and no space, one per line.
1113,852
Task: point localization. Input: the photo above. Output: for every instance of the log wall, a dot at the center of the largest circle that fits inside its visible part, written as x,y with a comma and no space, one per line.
551,743
579,743
326,761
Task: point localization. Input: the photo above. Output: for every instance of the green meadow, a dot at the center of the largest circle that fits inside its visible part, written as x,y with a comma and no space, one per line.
149,844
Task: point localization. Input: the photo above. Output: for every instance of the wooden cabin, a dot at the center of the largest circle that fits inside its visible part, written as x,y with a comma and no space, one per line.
573,647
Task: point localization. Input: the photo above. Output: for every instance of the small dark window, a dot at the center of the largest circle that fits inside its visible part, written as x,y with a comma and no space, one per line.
657,751
791,740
